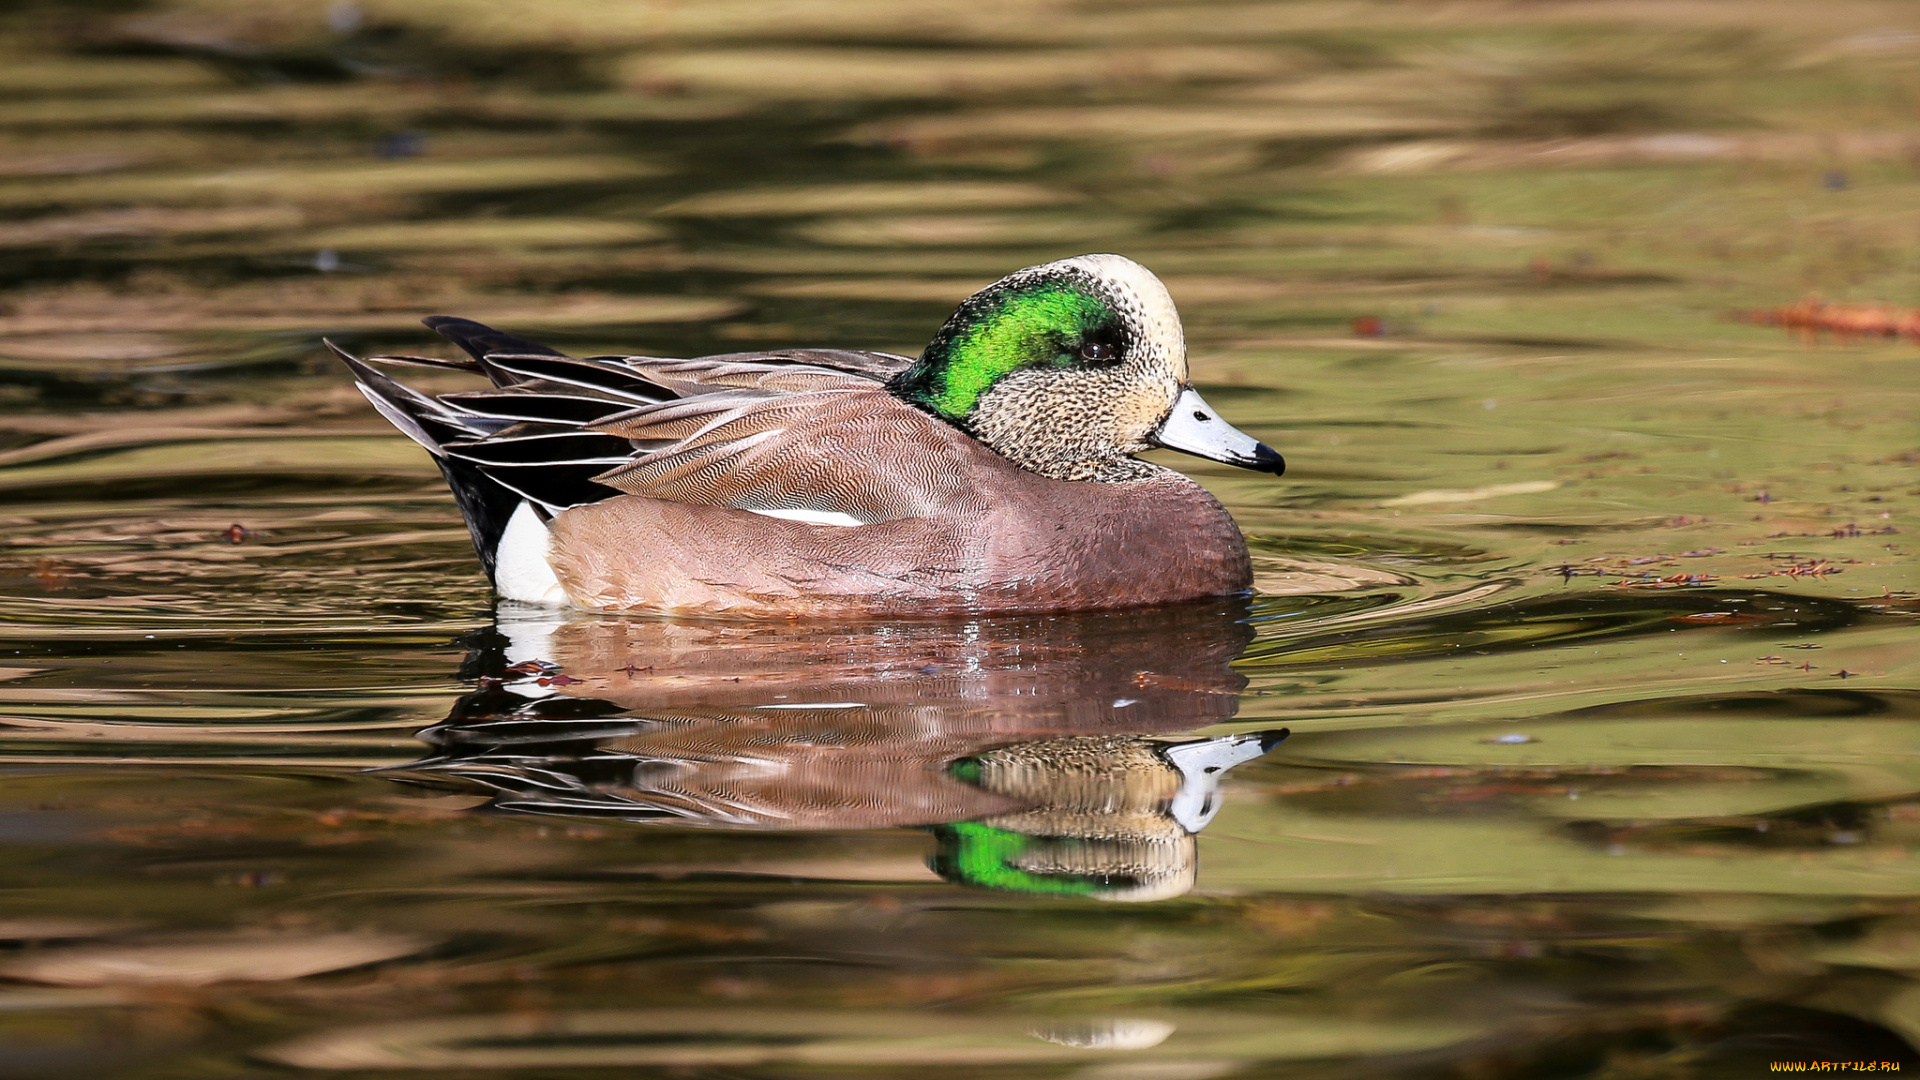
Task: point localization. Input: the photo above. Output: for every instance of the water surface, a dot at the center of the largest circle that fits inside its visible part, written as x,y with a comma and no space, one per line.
1586,609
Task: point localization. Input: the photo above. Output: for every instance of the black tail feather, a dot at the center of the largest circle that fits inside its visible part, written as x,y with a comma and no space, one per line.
479,339
428,362
604,376
485,504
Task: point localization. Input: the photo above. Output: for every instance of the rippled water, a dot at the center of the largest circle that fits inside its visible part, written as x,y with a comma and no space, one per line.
1574,730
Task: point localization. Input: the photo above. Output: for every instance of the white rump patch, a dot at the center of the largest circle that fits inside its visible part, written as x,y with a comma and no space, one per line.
520,567
809,517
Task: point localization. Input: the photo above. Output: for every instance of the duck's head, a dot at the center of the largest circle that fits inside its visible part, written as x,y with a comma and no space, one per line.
1070,368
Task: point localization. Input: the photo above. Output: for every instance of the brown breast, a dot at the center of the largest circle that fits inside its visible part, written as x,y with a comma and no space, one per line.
1063,545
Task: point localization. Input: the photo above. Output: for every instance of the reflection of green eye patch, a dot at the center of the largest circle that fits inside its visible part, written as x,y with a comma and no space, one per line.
1024,328
975,854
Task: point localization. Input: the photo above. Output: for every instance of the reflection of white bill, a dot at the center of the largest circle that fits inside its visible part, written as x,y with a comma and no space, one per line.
1107,1034
1202,765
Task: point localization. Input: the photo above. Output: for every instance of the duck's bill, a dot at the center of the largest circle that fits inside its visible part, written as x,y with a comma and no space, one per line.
1194,428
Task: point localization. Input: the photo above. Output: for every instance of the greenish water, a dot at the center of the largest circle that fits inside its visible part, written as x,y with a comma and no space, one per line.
1589,607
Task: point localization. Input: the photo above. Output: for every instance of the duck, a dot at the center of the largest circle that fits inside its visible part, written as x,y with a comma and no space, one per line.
997,472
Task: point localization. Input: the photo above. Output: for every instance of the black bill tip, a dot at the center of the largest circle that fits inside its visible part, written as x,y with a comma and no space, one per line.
1268,460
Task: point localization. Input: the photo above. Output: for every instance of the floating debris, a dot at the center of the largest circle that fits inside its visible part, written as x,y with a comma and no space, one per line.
1814,568
52,574
1624,567
1814,316
1851,529
1720,618
1672,581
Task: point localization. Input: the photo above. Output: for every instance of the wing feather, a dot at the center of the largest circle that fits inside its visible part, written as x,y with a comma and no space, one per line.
797,429
859,452
875,366
550,408
709,375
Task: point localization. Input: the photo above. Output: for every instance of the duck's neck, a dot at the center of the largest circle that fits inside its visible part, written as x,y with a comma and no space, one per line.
1037,450
1010,419
921,385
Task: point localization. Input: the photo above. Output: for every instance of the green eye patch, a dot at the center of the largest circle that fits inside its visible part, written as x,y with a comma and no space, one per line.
1040,326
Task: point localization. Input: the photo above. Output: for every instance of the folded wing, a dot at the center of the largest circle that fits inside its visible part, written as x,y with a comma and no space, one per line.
806,434
850,455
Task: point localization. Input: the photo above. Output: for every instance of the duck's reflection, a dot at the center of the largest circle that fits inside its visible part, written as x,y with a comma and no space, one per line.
1042,752
1112,816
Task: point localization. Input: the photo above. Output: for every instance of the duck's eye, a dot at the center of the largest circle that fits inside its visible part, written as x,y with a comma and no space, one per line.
1099,352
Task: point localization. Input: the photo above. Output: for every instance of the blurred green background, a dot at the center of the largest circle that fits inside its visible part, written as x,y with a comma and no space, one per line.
201,168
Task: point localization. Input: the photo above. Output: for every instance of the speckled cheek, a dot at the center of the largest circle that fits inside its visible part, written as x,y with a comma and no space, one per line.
1141,410
1176,349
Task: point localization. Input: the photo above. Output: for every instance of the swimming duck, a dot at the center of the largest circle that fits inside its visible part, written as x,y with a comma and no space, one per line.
994,473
